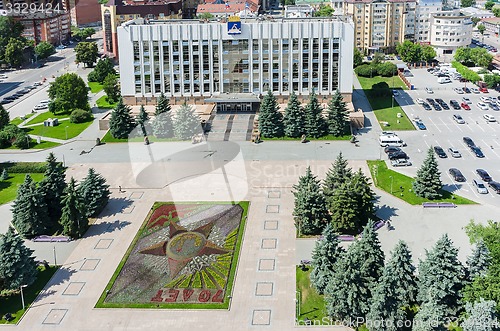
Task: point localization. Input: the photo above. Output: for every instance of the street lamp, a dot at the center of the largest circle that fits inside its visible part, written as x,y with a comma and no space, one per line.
22,295
392,180
66,130
55,258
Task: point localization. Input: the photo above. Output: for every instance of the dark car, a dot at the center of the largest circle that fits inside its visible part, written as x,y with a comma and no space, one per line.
494,107
436,106
495,186
477,151
5,101
430,100
485,176
463,80
392,149
420,125
469,142
398,155
455,104
440,152
443,104
426,106
457,175
465,89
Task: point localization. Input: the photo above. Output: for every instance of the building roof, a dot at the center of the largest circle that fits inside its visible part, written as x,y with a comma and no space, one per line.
231,7
491,20
379,1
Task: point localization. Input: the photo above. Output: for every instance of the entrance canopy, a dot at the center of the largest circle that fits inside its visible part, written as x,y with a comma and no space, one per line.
235,102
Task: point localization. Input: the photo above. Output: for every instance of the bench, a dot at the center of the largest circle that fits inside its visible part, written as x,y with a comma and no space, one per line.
438,205
345,237
45,238
378,225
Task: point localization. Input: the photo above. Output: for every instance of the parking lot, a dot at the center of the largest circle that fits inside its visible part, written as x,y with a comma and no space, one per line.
443,131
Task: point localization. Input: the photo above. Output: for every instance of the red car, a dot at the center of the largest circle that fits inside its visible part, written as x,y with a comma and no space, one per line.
483,89
465,106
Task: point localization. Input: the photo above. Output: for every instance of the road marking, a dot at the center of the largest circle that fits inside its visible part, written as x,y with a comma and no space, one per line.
430,119
490,148
445,124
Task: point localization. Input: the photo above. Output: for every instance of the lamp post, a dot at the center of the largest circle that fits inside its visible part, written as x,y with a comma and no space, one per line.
66,131
392,180
55,258
22,295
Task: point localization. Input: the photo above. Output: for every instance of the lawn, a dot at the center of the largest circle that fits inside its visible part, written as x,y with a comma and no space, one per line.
13,304
328,137
108,138
311,304
41,145
383,106
46,115
65,130
8,188
103,103
95,87
19,120
387,180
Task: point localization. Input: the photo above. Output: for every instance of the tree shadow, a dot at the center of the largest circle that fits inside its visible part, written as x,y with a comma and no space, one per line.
115,206
105,227
43,294
62,275
385,212
450,188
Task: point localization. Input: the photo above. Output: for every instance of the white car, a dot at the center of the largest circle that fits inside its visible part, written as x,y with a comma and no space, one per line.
458,90
485,99
420,101
41,106
388,133
480,187
458,119
400,163
429,90
395,93
489,118
454,152
482,106
467,100
2,76
44,102
474,90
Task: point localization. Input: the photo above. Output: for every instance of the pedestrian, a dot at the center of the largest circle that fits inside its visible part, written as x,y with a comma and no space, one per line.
388,226
120,189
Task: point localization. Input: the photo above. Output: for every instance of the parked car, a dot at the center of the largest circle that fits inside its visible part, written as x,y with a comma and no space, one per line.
477,151
465,89
465,106
495,186
440,152
482,106
420,100
468,141
458,90
454,104
420,125
483,90
457,175
398,155
392,149
436,106
480,187
467,100
426,106
494,106
485,176
458,119
6,101
400,163
454,152
485,99
489,118
429,90
474,90
395,93
41,106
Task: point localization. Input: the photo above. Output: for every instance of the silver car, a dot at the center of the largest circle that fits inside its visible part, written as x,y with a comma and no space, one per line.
454,152
480,187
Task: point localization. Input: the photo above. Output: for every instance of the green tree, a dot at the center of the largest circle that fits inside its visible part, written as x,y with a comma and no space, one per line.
481,28
480,57
479,261
5,174
387,69
68,92
409,51
111,88
366,70
462,54
103,68
326,253
442,276
324,11
4,118
315,123
467,3
51,189
480,316
431,315
9,28
404,277
338,173
428,183
86,53
205,16
143,120
294,120
337,115
489,5
270,119
496,11
492,80
358,57
186,123
377,58
44,49
82,34
428,53
74,219
121,122
95,192
29,211
310,213
17,264
14,52
162,122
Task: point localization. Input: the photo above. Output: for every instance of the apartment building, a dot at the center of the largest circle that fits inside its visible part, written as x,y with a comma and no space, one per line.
380,25
425,8
232,63
85,12
450,30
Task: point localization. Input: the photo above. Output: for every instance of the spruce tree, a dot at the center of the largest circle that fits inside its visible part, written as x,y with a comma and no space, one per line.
324,256
162,105
294,121
17,265
270,119
365,196
95,192
310,212
432,314
403,273
4,117
51,189
315,124
74,219
337,115
162,122
186,123
142,120
338,174
428,183
479,261
441,275
29,211
5,174
121,122
480,316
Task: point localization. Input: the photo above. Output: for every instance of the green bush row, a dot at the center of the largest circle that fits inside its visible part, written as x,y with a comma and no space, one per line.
466,73
23,167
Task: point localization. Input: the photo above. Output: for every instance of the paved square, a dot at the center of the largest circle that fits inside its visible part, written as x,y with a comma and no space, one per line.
272,209
266,264
103,244
261,317
128,209
136,195
90,264
271,225
74,288
274,194
269,243
55,316
264,289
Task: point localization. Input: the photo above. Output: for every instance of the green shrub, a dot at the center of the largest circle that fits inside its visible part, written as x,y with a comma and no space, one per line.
22,140
80,116
5,141
466,73
387,69
24,167
366,70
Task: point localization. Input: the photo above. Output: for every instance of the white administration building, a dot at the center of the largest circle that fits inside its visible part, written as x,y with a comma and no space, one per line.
234,63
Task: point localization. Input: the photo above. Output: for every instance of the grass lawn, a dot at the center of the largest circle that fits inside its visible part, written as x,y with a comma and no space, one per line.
328,137
103,103
108,138
95,87
312,305
382,106
46,115
13,304
41,145
382,179
19,120
60,131
8,188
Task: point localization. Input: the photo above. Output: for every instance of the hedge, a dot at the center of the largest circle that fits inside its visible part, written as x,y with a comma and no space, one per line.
466,73
23,167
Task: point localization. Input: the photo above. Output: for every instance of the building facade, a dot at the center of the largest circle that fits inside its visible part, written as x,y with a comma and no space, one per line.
379,25
203,61
450,30
425,9
85,12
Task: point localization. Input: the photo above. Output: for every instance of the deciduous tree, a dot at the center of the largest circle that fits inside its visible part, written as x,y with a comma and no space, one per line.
358,57
103,68
68,92
14,52
44,49
111,88
86,53
409,51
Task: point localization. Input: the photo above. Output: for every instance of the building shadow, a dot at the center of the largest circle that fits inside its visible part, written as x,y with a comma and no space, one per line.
116,206
105,227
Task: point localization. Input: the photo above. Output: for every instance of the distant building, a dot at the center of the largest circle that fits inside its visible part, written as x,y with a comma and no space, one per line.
449,31
85,12
425,8
492,25
233,63
477,13
219,8
297,11
116,12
